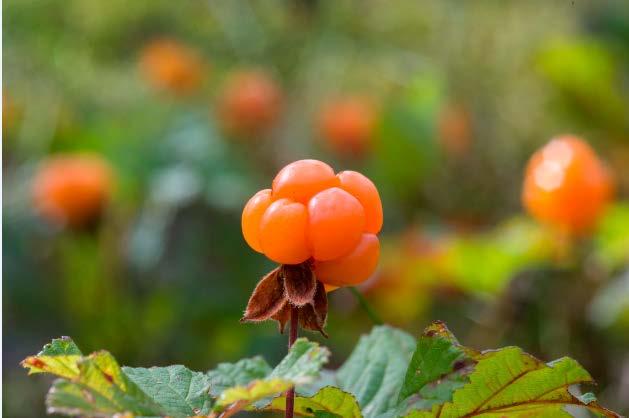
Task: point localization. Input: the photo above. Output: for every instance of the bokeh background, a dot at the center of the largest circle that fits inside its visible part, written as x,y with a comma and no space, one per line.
454,97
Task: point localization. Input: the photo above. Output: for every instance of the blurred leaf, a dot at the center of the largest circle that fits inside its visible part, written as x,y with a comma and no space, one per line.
510,247
612,238
327,402
585,71
611,304
180,391
406,147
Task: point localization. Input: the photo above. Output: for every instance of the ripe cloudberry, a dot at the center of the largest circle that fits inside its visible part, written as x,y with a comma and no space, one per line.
567,185
347,125
72,189
249,104
172,66
322,228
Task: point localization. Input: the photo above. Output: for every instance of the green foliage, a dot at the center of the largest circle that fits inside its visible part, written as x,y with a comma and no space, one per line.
95,385
389,374
438,358
182,392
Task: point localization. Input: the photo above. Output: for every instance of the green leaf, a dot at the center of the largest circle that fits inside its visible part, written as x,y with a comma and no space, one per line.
101,385
439,366
302,363
242,372
180,391
327,402
509,382
376,368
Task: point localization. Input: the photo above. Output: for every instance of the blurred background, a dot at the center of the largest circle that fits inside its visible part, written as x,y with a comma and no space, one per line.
168,116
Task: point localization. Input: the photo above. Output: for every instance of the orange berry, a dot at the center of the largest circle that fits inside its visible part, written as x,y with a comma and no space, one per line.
365,191
283,232
172,66
249,104
335,224
303,179
353,268
72,189
347,125
566,185
251,216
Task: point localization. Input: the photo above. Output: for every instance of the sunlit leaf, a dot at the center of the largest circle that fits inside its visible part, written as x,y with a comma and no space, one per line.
328,400
509,382
60,357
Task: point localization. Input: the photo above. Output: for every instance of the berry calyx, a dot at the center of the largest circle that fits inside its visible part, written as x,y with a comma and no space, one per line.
72,189
567,185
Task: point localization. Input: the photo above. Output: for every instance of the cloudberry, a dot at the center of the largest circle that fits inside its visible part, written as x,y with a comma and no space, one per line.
312,215
72,189
347,125
249,104
172,66
567,185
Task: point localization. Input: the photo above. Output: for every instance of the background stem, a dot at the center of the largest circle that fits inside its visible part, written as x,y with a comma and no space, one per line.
375,318
292,336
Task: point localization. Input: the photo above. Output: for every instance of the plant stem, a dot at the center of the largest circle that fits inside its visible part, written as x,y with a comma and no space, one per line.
292,336
375,318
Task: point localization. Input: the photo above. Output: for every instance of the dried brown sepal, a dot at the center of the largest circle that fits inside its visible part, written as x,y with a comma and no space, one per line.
267,299
320,304
300,283
282,317
286,287
309,320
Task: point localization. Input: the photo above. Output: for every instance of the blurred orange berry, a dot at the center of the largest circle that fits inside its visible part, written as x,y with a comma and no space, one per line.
72,189
455,129
311,214
172,66
347,125
567,185
249,104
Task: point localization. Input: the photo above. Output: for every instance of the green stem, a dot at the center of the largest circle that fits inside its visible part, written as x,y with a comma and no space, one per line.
375,318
